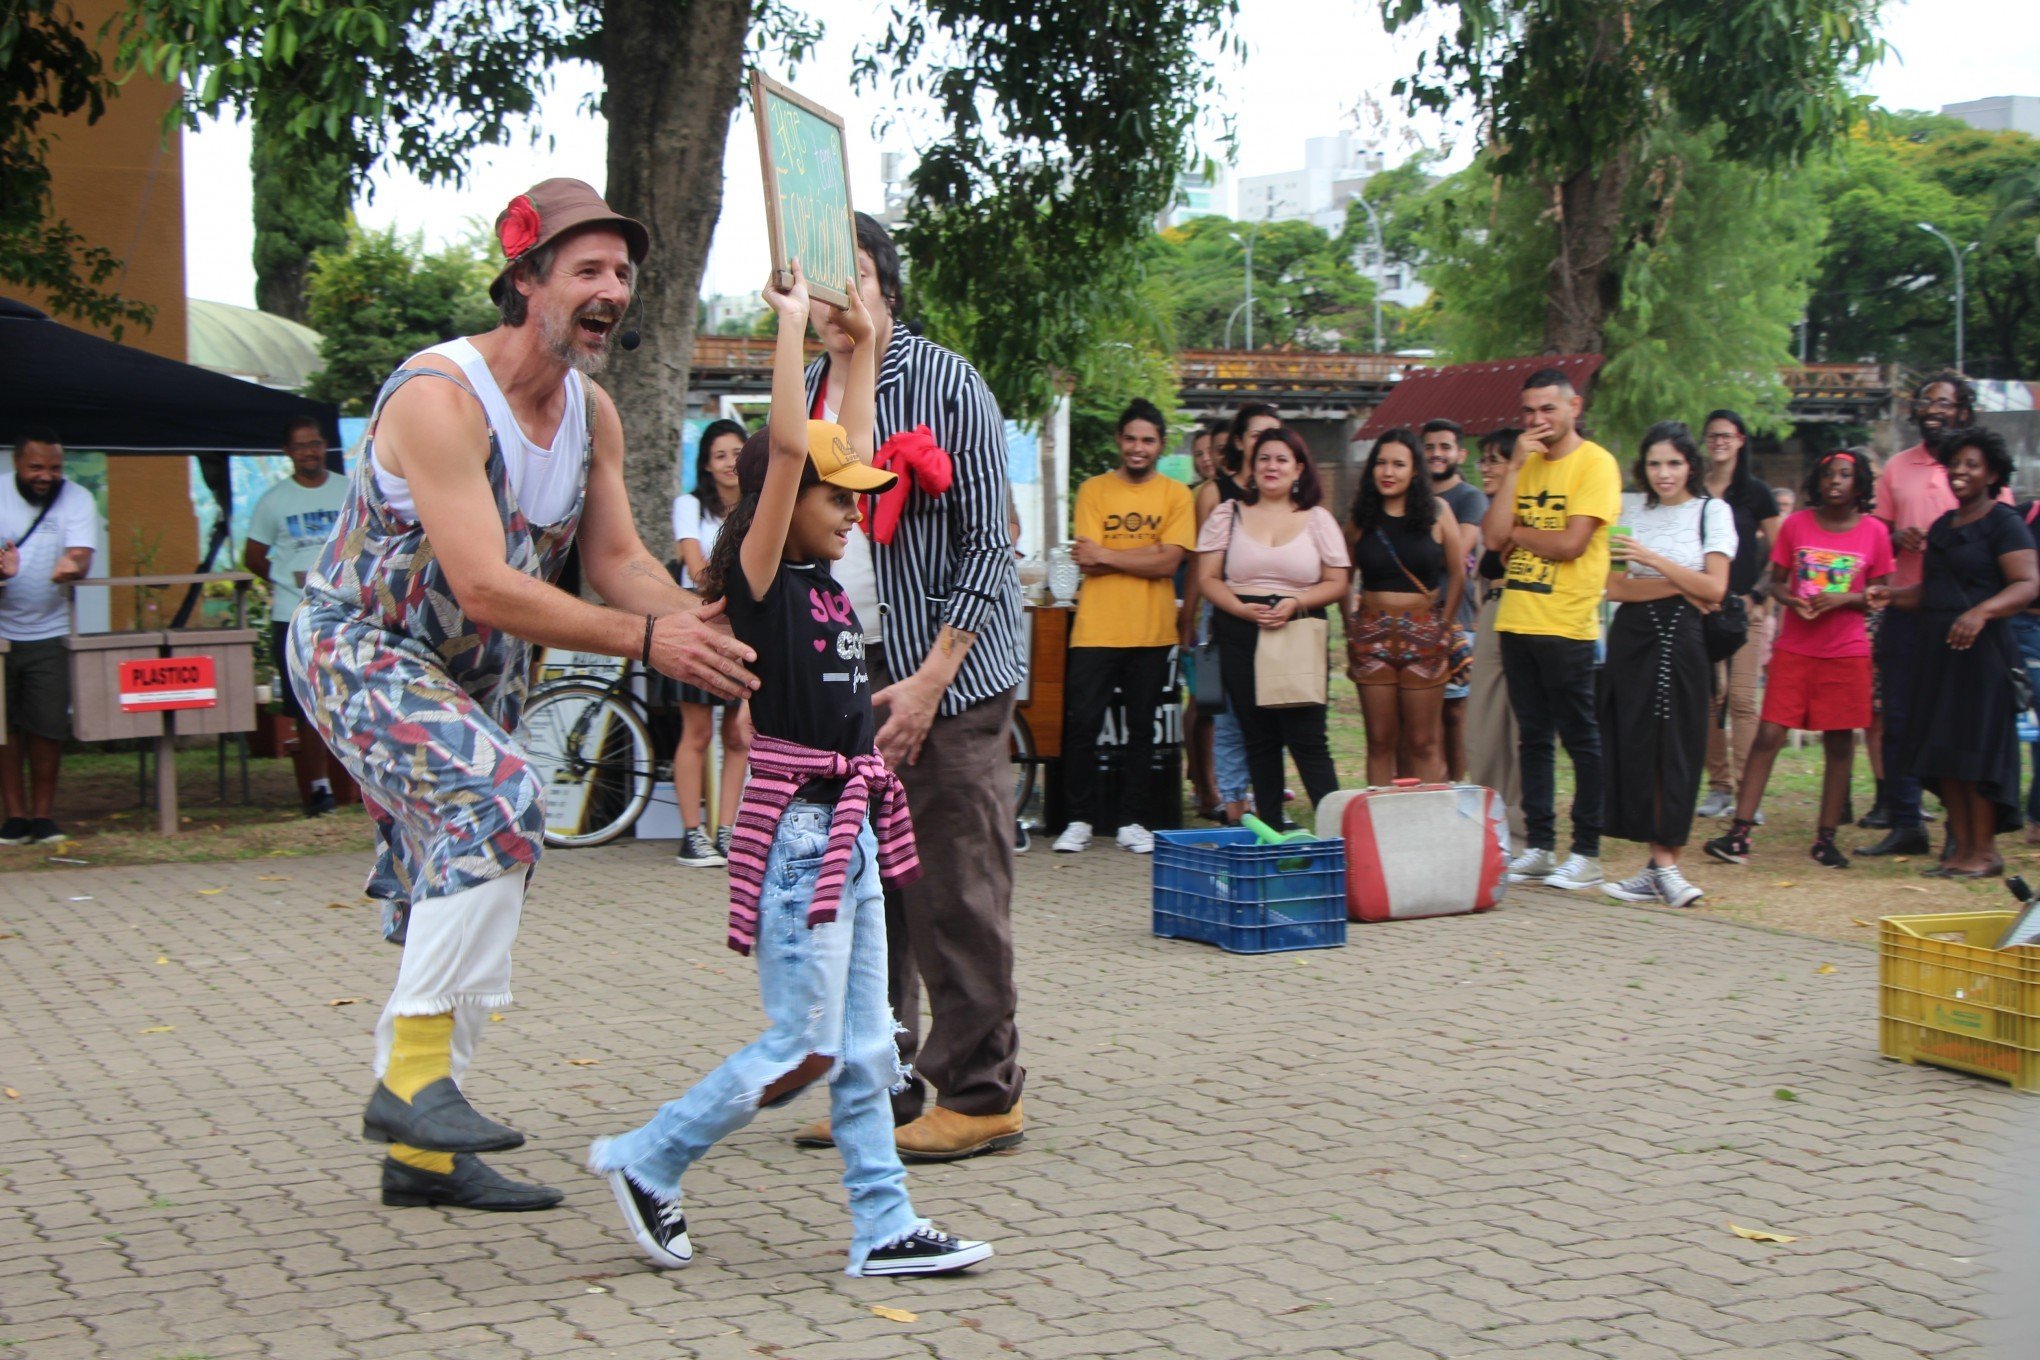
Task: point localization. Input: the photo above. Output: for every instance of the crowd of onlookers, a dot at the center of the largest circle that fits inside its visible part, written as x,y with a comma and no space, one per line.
1671,647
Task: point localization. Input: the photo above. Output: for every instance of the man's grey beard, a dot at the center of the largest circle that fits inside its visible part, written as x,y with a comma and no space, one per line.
560,343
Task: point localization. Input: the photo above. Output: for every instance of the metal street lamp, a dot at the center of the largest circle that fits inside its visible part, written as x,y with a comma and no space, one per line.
1955,255
1228,324
1374,221
1252,231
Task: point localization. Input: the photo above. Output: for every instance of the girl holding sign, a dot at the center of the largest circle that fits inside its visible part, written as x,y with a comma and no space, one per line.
822,823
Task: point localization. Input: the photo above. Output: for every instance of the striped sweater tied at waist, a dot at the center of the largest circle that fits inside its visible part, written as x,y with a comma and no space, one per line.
778,770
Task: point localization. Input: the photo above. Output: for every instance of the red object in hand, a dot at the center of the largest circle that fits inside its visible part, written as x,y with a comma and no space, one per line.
518,227
914,457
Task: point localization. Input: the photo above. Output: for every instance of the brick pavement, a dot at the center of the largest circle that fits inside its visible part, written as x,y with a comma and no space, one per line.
1518,1135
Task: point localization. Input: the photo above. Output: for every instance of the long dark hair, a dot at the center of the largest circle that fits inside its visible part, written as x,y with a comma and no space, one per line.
722,563
1307,494
1230,453
1679,436
1866,480
705,489
1420,503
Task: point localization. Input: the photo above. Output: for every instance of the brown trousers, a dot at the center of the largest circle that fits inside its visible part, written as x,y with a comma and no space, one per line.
953,928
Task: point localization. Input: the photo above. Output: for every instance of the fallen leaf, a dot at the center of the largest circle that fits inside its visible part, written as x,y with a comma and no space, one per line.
1783,1094
1902,859
1785,883
1825,969
8,935
495,1017
274,878
1861,922
210,892
595,1289
894,1314
338,906
81,899
584,1062
159,1029
1909,887
345,1000
162,958
10,1092
1759,1235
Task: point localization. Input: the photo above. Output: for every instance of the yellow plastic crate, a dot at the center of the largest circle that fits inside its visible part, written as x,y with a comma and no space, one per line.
1947,998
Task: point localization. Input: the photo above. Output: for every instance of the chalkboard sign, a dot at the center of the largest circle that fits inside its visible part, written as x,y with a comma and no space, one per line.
807,188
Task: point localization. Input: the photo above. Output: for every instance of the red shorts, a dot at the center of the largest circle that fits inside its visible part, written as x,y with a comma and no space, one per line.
1817,693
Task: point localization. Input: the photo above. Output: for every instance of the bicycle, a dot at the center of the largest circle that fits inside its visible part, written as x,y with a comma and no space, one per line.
589,736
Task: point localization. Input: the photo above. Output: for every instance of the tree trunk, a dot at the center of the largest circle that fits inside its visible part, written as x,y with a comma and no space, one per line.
674,69
1584,281
300,207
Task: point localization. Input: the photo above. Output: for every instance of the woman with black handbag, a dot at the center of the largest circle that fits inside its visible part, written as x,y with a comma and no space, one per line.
1269,563
1979,570
1669,570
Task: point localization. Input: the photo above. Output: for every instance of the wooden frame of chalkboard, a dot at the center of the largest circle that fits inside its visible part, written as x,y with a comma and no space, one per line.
801,222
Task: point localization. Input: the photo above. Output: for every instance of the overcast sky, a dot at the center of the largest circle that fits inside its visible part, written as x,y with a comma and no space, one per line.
1314,67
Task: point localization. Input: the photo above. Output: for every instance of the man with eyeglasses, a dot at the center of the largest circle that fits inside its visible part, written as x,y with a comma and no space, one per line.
1911,494
290,525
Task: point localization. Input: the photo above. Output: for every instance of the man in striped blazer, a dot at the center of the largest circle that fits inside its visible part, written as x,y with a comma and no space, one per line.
939,595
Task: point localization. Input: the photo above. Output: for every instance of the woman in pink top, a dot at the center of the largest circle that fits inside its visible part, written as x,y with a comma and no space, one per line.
1271,556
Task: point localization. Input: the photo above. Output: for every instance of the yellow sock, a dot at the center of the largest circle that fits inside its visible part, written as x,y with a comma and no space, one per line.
439,1162
421,1053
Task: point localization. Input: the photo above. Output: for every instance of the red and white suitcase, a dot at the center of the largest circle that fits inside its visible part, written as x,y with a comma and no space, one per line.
1415,850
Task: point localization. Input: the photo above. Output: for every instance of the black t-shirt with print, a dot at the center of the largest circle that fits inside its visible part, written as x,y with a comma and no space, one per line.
812,684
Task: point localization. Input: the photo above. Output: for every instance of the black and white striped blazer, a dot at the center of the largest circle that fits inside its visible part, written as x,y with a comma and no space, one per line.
951,560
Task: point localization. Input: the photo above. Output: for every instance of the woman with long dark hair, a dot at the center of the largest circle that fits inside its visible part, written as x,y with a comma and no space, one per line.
1398,629
1668,570
1961,736
1274,555
698,520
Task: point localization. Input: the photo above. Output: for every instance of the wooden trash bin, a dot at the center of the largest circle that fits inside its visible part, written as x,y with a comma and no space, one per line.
96,659
233,656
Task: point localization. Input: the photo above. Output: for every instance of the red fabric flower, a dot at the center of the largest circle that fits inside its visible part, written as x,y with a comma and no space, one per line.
517,227
915,457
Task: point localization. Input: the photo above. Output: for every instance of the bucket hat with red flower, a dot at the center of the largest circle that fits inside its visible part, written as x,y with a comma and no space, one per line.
550,209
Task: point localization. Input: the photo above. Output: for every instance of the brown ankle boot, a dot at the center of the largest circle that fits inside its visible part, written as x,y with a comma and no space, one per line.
942,1135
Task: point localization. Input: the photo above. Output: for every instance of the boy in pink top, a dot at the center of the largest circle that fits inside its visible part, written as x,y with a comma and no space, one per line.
1823,564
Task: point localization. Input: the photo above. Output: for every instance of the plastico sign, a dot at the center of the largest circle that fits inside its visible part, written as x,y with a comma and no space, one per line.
174,682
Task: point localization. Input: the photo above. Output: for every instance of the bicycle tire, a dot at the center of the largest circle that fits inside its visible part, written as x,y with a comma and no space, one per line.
1026,765
594,752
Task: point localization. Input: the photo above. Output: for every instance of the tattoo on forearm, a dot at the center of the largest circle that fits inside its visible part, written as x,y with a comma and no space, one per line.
952,638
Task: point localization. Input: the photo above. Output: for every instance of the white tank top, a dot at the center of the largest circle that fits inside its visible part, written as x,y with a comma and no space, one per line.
543,480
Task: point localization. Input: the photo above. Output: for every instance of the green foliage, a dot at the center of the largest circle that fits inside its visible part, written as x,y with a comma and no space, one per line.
49,69
382,298
1065,122
1569,85
1713,272
1129,357
302,205
1885,287
1307,292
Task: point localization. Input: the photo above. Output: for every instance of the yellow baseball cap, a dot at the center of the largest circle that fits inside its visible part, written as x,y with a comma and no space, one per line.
830,459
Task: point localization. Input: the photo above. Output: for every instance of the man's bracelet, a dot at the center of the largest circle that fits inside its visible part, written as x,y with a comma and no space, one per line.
647,658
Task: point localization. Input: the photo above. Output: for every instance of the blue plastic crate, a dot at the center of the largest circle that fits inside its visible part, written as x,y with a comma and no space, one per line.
1225,888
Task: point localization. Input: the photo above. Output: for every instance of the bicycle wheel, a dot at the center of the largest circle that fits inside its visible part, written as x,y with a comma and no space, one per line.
1026,766
595,754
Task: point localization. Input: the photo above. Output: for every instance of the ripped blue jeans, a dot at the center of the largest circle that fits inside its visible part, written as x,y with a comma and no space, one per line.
824,992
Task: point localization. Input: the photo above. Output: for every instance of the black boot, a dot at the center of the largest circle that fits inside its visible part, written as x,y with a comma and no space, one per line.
438,1119
1878,818
1901,840
472,1185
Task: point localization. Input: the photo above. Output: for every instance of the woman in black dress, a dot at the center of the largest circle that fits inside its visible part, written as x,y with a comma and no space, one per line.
1980,569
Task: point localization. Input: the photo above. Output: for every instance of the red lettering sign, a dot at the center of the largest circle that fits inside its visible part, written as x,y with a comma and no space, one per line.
174,682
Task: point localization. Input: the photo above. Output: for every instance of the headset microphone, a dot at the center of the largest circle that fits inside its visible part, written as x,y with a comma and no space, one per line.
629,340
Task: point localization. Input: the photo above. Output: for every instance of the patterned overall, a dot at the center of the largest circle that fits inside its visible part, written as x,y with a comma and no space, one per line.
416,699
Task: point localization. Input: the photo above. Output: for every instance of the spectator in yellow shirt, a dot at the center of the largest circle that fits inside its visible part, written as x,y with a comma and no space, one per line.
1132,528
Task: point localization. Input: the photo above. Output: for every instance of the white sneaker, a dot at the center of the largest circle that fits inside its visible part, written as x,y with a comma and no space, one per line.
1639,887
1137,838
1076,836
1715,804
1532,866
1674,889
1576,873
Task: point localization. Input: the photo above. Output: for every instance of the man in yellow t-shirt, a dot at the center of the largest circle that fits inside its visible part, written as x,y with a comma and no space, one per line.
1549,521
1133,527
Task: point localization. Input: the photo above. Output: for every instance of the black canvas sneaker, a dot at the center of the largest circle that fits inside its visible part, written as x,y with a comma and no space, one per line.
929,1251
658,1225
697,851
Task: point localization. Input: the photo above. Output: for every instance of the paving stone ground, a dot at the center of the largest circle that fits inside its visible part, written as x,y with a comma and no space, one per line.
1522,1135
